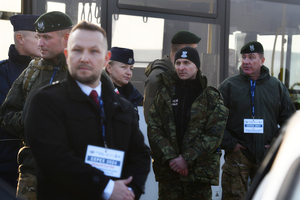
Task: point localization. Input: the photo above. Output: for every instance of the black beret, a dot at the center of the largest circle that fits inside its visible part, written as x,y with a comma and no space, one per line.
185,37
23,22
188,53
122,55
252,47
53,21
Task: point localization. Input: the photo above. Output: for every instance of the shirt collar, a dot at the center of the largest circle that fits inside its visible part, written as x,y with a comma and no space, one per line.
87,89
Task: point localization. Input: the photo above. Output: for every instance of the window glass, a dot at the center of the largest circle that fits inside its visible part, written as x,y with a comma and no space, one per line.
11,6
54,6
276,26
144,36
7,9
150,38
90,12
190,7
6,32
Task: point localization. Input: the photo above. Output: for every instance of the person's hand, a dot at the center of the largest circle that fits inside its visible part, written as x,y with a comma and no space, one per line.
184,172
121,191
178,164
238,147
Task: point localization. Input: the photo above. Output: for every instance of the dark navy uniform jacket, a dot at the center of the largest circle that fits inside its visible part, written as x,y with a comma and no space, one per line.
9,71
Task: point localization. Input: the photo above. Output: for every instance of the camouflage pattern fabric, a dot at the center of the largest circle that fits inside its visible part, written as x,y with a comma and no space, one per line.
201,140
178,190
236,171
27,184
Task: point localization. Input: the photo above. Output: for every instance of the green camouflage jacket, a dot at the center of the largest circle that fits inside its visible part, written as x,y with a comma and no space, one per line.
202,139
39,73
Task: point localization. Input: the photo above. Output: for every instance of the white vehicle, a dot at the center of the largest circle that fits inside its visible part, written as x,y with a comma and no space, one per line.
279,176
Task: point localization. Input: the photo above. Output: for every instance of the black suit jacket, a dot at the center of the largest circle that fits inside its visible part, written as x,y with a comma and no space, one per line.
59,125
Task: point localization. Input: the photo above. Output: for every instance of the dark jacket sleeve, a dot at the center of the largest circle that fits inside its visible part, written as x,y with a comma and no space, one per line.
4,84
228,141
11,109
138,162
161,148
287,108
150,90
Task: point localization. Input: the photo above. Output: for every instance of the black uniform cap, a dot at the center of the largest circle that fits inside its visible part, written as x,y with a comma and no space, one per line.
122,55
185,37
188,53
53,21
23,22
252,47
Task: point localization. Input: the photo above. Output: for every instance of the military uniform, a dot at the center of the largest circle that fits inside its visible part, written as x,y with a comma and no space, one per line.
10,69
39,73
150,89
130,93
271,103
9,144
200,142
45,73
162,65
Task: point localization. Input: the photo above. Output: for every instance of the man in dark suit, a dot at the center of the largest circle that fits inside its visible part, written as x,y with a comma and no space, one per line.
86,147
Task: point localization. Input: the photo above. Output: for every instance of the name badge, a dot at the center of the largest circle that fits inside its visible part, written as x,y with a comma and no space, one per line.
109,161
254,126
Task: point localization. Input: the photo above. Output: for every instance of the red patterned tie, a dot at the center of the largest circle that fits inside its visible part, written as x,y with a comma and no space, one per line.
94,96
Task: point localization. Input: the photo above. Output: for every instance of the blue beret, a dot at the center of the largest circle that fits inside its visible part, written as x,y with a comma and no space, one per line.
23,22
188,53
185,37
122,55
252,47
53,21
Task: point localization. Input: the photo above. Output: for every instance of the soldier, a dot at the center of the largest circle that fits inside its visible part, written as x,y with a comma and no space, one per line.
258,105
179,40
186,125
20,53
53,31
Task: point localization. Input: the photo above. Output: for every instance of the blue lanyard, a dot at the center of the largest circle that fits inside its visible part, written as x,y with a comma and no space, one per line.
252,87
102,119
53,76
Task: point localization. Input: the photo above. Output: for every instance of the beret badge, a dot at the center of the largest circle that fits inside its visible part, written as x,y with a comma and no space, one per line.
183,55
40,26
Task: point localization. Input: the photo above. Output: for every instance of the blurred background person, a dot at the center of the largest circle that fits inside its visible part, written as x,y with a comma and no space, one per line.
53,31
20,53
186,125
179,40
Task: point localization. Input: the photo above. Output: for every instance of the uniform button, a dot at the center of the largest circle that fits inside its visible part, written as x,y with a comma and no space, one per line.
96,178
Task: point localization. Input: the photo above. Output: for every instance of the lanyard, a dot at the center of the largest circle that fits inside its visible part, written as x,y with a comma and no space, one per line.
53,76
252,87
102,119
